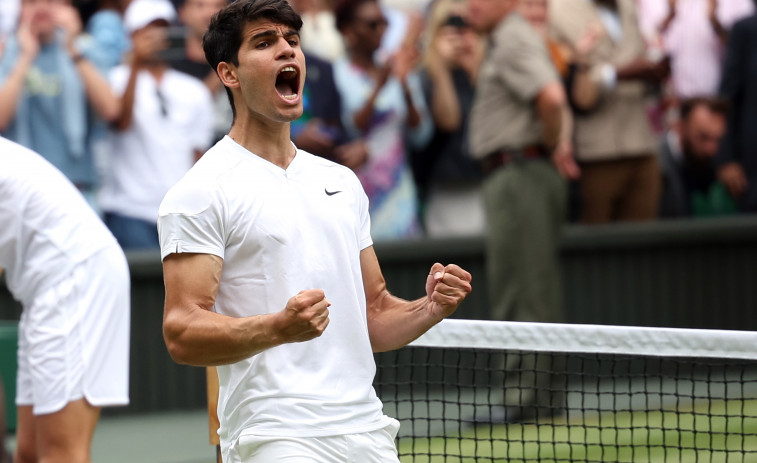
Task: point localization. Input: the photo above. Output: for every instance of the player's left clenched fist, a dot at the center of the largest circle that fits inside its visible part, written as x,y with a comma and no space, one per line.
446,287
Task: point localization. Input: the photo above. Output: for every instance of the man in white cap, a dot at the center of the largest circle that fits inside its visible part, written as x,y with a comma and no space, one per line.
165,122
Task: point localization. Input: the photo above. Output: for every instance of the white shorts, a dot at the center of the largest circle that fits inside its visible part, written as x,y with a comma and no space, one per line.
73,340
368,447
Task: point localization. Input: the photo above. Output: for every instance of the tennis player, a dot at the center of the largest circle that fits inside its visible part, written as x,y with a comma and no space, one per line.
270,271
72,280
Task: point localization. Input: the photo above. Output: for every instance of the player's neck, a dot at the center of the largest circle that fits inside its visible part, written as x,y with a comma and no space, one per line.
270,141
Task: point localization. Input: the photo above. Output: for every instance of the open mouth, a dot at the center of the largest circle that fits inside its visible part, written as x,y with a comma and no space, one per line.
288,83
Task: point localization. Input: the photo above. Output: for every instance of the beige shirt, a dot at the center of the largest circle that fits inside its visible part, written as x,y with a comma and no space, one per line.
618,127
517,67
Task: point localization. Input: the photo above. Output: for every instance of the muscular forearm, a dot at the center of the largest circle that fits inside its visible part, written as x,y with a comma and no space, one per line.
395,322
203,338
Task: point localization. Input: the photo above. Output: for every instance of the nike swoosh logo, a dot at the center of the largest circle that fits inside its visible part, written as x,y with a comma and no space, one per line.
331,193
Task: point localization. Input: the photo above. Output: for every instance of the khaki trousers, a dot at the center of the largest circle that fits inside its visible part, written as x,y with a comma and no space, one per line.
620,190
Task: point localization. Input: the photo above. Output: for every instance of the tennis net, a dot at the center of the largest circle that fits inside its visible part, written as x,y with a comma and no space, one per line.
480,391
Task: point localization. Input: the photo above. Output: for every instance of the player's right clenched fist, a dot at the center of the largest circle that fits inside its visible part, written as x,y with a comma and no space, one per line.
305,316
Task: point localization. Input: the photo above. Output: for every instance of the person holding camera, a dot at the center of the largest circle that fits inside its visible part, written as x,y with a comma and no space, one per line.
164,124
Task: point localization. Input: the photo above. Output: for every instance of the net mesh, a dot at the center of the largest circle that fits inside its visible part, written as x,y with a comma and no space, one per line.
674,395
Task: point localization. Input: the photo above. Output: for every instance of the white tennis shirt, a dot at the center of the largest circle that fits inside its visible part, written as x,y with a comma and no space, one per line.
279,232
46,225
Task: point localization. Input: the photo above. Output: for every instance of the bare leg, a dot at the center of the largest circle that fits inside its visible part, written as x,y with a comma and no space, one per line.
61,437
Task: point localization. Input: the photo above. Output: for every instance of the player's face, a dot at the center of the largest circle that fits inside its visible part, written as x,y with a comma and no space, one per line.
271,72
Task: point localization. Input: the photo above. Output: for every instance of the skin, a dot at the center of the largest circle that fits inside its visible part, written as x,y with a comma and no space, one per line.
61,437
38,24
66,435
195,335
701,132
362,42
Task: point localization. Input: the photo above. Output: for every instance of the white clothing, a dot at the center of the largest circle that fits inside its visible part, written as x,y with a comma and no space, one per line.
9,12
320,37
72,280
46,225
369,447
74,338
154,153
279,232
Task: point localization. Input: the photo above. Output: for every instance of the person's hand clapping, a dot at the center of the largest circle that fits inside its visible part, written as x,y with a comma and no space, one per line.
26,33
305,316
67,19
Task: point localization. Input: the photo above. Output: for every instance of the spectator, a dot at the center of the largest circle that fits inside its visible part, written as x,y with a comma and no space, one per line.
694,33
319,34
687,153
737,156
516,130
620,174
382,103
195,16
164,124
579,87
320,130
47,80
448,179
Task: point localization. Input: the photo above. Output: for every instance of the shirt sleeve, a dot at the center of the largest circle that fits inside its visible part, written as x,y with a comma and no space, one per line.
191,220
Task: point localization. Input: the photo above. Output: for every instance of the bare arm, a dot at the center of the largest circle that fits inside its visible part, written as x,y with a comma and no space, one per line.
395,322
362,117
195,335
97,89
585,91
445,106
13,86
550,103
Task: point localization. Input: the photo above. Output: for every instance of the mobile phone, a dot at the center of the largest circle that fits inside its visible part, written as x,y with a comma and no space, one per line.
456,21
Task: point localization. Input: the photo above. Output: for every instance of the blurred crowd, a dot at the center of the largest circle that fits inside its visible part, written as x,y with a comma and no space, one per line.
662,96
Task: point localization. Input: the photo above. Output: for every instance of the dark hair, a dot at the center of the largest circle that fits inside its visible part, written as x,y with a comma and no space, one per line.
223,39
714,104
344,12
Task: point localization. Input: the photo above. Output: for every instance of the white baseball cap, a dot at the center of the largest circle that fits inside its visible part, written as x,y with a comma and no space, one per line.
140,13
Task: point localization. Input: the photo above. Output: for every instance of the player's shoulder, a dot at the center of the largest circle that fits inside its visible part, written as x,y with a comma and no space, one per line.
203,184
328,167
